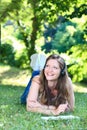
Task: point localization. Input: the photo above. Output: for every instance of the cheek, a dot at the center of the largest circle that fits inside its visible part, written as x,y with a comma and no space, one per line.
58,73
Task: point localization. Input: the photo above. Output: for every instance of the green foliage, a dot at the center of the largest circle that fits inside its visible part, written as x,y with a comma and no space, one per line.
78,62
9,6
7,54
79,10
68,35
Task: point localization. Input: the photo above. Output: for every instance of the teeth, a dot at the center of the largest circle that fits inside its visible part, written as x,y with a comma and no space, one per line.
50,74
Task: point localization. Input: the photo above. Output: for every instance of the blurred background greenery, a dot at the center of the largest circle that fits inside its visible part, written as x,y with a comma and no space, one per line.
37,26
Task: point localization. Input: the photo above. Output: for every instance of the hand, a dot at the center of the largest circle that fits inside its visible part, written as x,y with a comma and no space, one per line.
52,107
62,108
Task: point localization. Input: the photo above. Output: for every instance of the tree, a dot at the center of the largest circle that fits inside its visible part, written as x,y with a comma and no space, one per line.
35,13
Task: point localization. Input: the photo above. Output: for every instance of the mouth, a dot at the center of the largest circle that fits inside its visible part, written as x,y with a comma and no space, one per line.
49,74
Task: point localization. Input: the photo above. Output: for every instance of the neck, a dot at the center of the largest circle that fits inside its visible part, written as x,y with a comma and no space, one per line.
52,84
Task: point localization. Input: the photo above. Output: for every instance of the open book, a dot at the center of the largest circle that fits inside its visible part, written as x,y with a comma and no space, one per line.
63,117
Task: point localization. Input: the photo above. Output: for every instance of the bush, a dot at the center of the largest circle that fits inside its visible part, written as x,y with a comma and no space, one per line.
7,54
78,61
21,59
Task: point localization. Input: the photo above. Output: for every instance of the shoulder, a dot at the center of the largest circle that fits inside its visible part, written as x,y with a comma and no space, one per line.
70,84
36,79
35,84
69,80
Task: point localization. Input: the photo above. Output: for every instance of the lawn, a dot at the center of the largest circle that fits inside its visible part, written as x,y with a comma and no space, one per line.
13,115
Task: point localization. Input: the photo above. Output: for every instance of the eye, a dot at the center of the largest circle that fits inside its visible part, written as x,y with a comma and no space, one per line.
55,67
46,66
52,67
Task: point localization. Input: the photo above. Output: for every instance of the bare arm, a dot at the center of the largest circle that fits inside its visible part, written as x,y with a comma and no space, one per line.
48,110
71,98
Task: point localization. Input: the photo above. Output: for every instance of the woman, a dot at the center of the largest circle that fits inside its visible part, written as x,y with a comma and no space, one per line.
51,92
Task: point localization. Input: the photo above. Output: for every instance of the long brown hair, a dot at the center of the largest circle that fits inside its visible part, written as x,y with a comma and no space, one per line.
61,84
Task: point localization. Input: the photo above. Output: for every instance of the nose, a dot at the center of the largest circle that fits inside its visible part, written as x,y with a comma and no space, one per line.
50,69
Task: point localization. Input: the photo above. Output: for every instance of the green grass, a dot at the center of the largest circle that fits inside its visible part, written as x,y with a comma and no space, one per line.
13,115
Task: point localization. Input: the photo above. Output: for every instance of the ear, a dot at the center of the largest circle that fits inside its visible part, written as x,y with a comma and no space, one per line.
63,70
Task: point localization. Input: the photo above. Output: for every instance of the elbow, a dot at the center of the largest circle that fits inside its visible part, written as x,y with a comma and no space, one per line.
28,106
31,105
71,107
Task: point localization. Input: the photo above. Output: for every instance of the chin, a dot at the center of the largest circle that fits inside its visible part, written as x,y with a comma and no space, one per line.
50,79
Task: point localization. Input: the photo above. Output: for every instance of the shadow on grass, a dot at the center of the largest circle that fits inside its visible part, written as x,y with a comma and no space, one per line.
14,75
9,73
84,85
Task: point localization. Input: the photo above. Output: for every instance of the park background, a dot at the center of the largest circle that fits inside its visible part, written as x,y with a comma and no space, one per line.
37,26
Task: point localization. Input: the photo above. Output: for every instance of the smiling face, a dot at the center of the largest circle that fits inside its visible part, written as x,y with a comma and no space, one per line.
52,70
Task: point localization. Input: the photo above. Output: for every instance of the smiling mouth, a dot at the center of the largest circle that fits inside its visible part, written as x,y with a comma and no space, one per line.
50,74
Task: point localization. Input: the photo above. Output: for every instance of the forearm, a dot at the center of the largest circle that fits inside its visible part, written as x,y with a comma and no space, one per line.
41,110
44,109
35,106
47,110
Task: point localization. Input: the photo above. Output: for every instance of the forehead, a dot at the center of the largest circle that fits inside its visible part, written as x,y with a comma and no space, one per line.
53,62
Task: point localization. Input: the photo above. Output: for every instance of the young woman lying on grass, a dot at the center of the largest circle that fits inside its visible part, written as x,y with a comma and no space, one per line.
51,92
